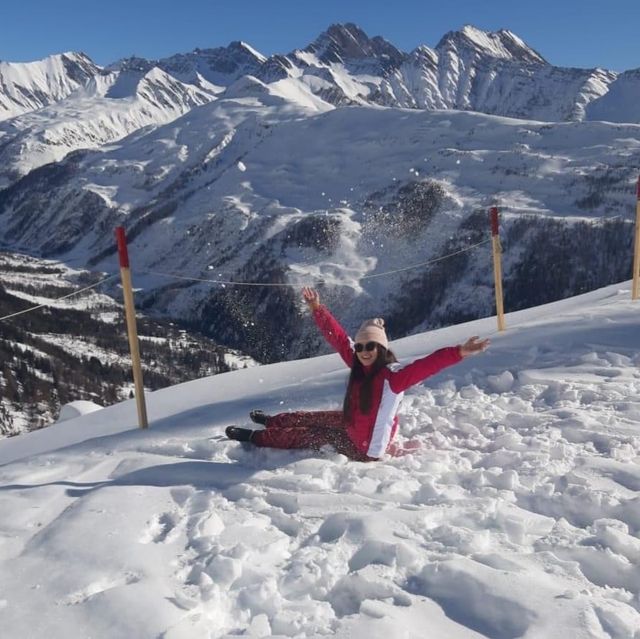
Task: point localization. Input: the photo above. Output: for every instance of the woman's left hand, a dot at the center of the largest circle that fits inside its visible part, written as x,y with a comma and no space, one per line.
473,346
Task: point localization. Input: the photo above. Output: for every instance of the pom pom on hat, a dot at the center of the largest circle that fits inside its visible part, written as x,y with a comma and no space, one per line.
372,330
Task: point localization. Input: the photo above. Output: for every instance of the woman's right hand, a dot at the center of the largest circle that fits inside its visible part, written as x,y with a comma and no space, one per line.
311,297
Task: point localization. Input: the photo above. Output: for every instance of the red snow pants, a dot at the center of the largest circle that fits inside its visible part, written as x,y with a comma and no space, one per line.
308,430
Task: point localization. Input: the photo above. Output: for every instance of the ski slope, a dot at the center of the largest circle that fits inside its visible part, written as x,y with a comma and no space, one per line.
510,507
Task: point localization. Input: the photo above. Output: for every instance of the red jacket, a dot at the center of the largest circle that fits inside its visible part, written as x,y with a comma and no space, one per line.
371,432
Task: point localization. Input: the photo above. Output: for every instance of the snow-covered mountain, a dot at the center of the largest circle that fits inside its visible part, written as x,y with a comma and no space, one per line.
105,105
508,507
469,69
66,102
107,109
30,86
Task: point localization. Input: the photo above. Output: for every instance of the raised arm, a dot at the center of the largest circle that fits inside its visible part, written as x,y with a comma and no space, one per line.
329,326
424,367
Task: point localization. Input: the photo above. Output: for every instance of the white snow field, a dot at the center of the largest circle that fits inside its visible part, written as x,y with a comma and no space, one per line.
509,509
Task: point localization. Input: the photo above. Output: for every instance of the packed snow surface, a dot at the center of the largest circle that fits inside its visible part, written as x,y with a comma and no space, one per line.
509,507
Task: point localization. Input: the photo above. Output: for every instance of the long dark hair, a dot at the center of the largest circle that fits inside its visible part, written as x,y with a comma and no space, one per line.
385,357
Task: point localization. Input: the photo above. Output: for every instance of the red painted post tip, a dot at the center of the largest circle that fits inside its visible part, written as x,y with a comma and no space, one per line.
495,227
123,253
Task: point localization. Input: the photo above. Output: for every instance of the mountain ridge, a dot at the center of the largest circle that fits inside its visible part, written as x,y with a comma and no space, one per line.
469,69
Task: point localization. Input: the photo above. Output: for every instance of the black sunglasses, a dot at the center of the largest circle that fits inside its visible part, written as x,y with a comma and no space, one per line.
369,346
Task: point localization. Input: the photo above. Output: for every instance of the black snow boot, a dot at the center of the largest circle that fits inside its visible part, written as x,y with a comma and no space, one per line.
259,417
239,434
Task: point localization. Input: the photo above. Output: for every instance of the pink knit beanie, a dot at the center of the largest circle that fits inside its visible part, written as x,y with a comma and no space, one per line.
372,330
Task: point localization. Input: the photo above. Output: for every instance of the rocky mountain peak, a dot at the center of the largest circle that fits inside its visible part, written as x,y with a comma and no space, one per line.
238,52
242,48
234,60
79,66
343,42
502,44
133,64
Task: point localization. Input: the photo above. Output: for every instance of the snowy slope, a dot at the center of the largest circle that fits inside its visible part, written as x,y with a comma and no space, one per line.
509,508
620,104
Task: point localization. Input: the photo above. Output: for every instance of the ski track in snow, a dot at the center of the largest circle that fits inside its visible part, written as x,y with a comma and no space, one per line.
510,508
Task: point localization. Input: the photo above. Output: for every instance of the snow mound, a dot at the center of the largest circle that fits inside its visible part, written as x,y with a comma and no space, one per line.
77,409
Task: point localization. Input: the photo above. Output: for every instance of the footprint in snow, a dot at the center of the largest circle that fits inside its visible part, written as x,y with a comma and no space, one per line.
99,587
159,530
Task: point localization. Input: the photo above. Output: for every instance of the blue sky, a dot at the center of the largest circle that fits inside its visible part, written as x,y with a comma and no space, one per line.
588,33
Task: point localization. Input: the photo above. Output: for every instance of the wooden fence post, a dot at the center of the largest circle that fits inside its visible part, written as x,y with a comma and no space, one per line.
497,266
130,313
635,289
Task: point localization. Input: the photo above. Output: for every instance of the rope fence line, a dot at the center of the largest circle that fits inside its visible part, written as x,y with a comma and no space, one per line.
285,285
58,299
437,259
236,283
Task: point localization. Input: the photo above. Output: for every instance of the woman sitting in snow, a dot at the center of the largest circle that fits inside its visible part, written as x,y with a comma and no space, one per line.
368,422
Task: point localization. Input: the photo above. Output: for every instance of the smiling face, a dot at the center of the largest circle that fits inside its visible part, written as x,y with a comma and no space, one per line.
366,353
